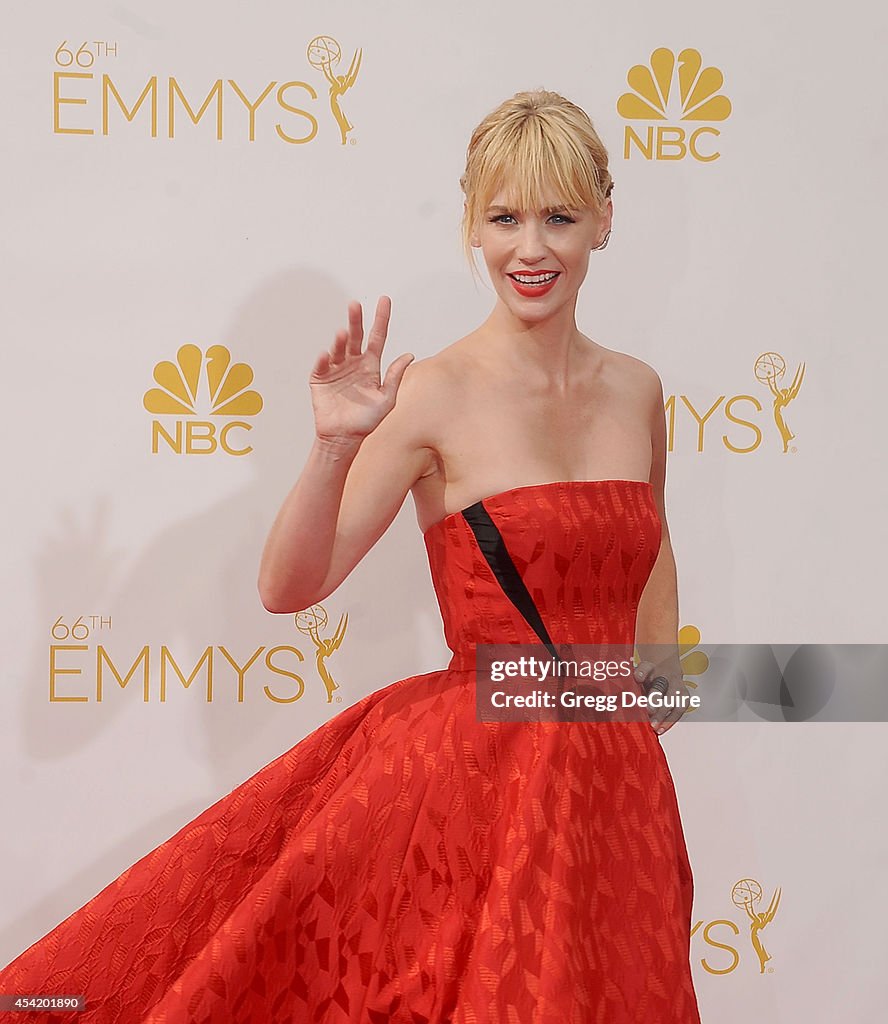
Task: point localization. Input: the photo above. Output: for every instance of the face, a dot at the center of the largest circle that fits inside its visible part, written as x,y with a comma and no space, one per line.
537,259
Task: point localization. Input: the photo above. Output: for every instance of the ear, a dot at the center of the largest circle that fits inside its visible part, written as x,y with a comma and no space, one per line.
474,241
604,225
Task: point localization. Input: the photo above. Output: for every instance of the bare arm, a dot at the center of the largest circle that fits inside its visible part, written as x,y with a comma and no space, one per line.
368,453
657,620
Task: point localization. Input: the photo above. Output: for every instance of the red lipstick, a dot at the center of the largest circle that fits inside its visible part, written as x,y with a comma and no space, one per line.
533,290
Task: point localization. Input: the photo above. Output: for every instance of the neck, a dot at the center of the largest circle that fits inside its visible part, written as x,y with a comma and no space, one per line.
545,349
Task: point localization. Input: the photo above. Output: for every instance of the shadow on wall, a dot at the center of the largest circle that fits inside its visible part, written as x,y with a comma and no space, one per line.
194,583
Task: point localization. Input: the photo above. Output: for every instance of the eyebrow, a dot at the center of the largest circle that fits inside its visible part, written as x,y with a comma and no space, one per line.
547,209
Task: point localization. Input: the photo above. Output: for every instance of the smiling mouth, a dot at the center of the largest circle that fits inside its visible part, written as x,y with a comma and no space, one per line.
534,280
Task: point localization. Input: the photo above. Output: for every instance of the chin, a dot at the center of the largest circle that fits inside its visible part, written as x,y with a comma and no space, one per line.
533,310
535,317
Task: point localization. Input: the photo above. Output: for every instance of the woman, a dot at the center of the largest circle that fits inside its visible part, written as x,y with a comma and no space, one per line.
407,861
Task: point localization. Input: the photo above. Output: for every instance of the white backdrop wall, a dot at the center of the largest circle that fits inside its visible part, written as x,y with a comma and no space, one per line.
122,246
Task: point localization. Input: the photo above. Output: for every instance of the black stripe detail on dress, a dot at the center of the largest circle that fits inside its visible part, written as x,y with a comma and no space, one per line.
493,547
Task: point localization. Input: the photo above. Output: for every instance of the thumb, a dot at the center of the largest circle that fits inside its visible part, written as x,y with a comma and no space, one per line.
395,372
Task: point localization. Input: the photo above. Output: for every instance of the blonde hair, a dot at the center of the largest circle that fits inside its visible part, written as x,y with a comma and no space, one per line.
534,141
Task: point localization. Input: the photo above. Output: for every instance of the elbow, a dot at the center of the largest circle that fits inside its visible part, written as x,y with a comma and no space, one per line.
272,605
279,603
268,600
272,601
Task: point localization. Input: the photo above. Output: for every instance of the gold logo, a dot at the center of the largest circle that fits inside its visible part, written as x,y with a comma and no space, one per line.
309,621
228,393
770,368
732,415
93,95
721,934
653,96
745,894
323,54
693,662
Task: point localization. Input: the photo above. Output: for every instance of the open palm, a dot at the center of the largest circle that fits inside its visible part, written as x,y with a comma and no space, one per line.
348,397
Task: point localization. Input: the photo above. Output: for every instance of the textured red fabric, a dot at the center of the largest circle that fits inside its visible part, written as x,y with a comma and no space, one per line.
407,863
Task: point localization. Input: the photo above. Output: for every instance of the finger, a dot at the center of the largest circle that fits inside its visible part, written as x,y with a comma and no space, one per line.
643,669
355,328
337,349
394,374
661,724
322,365
665,718
660,716
379,330
672,717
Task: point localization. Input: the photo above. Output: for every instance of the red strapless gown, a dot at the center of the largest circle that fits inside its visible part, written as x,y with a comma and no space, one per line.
407,863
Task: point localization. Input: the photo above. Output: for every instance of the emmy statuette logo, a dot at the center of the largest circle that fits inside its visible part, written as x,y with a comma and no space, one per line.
736,417
95,93
324,53
770,368
310,621
746,894
720,935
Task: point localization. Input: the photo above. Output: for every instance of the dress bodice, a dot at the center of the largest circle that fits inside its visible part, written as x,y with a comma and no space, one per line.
583,548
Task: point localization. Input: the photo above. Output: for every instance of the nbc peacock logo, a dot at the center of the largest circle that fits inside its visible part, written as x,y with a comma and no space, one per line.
197,384
693,661
673,88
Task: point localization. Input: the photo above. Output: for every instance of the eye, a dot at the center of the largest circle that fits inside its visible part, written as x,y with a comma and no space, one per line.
562,218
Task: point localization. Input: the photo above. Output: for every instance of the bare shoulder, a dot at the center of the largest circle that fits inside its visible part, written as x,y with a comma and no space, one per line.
635,369
639,378
425,401
437,380
429,384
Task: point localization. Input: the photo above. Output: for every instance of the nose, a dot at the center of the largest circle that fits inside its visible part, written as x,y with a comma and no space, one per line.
530,247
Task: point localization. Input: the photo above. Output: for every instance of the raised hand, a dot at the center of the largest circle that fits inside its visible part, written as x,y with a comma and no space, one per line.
347,395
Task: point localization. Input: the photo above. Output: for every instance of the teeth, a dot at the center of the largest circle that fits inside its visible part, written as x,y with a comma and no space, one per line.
538,279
